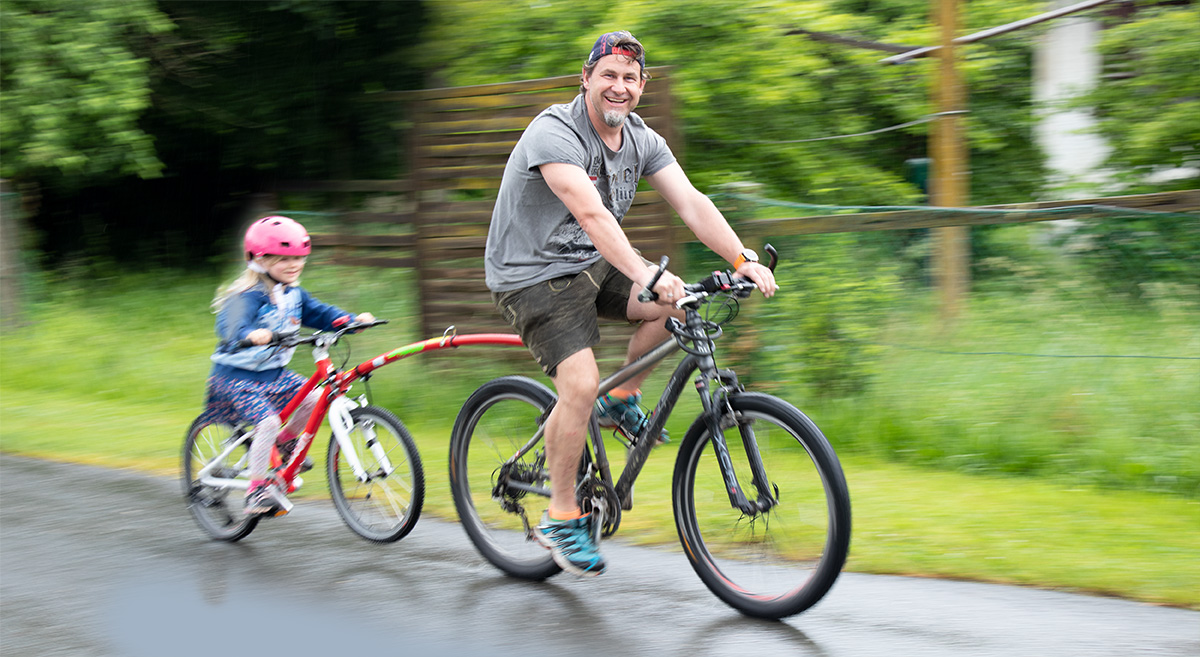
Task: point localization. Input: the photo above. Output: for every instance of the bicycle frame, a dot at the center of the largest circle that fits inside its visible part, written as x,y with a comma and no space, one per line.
335,384
701,358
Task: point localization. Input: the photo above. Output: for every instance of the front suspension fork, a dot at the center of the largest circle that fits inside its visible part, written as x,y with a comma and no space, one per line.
721,416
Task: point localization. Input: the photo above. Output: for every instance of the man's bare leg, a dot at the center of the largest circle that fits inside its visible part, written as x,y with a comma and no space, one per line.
577,381
651,332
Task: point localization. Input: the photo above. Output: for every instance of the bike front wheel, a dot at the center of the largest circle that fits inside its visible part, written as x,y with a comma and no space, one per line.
383,506
777,562
216,508
490,483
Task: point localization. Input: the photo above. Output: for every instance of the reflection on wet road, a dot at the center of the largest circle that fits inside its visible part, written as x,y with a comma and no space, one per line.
105,563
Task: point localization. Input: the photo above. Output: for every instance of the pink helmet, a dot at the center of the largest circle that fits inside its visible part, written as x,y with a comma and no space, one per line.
276,235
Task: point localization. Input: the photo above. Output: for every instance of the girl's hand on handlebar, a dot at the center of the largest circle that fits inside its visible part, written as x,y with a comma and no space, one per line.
260,336
364,318
761,275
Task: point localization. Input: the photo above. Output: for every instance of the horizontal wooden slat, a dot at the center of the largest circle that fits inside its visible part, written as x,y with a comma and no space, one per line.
942,217
375,261
558,82
452,173
397,218
379,241
435,230
342,186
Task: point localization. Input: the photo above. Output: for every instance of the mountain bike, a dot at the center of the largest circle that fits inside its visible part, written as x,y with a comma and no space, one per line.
373,467
760,502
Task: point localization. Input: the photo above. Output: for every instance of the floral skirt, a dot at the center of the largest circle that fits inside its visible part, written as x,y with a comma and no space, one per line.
233,401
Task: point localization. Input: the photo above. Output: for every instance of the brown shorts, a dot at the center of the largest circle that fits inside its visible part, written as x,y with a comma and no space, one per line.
558,317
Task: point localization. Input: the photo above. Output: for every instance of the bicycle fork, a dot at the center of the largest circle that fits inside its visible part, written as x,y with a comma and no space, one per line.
341,422
720,416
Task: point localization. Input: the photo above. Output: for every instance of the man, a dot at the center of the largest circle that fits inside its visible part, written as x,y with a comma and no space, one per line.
557,259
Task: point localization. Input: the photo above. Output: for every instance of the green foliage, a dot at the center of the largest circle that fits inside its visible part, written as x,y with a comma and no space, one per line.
73,86
1128,254
821,328
740,79
278,86
1149,105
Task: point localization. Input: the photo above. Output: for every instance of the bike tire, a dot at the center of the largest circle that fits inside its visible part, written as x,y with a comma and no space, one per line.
218,510
386,507
771,564
494,423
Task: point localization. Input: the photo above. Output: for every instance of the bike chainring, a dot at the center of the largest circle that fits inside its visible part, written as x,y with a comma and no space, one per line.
596,495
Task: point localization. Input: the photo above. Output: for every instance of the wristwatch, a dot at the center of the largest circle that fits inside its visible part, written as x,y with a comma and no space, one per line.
745,256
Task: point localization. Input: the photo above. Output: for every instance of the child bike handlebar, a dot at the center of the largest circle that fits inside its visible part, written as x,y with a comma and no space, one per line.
288,340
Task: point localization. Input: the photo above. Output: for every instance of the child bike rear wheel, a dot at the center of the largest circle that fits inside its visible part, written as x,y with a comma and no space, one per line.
778,561
217,509
386,506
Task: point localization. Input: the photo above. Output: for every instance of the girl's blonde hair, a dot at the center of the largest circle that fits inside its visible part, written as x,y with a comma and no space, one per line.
246,281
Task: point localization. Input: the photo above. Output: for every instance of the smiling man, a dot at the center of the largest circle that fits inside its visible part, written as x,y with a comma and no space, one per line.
557,260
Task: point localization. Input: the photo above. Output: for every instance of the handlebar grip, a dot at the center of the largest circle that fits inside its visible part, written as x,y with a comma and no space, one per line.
647,295
774,256
245,343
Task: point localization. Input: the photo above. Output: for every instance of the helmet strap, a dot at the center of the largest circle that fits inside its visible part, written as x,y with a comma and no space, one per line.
256,267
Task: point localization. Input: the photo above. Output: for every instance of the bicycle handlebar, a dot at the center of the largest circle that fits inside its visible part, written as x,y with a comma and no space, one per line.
647,295
709,285
295,339
724,281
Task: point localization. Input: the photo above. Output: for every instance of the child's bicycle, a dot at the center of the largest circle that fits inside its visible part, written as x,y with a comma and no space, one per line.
761,504
374,469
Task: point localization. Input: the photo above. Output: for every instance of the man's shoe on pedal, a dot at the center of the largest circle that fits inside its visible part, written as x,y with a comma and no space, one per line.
572,544
624,412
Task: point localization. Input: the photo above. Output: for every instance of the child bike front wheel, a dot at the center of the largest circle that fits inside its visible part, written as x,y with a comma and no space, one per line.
386,505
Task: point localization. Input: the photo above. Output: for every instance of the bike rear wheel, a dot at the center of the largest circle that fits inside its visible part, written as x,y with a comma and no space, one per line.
386,506
496,421
217,509
773,563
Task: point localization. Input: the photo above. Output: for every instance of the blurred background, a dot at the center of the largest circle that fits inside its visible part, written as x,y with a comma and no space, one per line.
139,137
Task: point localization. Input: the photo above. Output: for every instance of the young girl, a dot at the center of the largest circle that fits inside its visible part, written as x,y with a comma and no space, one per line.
254,384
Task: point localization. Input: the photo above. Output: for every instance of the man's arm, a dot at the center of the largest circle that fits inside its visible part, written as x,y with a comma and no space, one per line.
573,187
707,222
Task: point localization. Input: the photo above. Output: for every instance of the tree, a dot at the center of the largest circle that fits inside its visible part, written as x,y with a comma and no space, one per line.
1149,104
72,88
750,93
146,125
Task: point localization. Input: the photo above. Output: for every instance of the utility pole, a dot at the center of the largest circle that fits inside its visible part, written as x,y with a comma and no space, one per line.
950,173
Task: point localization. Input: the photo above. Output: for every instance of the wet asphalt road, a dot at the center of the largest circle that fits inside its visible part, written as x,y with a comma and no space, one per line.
106,563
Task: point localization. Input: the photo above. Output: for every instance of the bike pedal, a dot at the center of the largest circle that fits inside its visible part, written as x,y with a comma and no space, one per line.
281,501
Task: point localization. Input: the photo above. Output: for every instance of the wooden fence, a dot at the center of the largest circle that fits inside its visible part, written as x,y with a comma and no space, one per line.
458,145
457,148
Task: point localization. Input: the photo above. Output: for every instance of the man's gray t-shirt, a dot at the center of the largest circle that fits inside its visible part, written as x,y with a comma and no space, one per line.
532,237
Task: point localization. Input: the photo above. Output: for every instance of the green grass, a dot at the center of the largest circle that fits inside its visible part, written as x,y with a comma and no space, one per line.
113,377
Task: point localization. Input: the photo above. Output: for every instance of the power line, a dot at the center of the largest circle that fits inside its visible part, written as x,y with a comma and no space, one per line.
1017,353
924,119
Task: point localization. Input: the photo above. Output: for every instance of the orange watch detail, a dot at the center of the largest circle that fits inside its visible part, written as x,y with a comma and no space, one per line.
745,256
